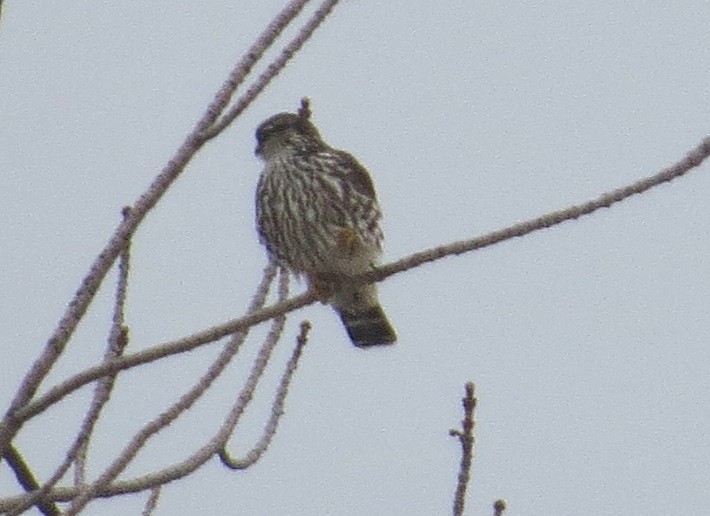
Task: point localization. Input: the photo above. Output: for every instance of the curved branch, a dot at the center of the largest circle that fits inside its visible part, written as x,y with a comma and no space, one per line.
155,480
87,493
98,270
692,160
277,409
101,488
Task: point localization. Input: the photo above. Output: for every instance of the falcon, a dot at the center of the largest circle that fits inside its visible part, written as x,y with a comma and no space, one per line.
317,215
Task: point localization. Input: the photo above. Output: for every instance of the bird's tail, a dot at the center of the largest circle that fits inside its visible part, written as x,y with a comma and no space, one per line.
363,317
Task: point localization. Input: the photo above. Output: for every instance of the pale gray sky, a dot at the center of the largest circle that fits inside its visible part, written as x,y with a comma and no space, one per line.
589,343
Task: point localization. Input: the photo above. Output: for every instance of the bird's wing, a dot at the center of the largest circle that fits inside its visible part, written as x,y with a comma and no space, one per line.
357,176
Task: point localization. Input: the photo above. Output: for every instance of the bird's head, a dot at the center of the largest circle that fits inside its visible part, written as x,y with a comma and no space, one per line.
286,132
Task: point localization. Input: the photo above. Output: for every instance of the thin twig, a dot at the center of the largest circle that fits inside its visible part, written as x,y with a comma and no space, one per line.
262,358
193,462
273,69
160,351
693,160
27,480
258,368
606,200
185,402
277,409
467,440
98,270
247,62
152,501
9,426
117,342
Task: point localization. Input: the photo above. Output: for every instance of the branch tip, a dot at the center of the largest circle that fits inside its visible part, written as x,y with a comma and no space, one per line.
306,327
467,440
304,112
499,507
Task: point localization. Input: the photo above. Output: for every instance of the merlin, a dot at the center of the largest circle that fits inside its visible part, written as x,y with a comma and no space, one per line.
318,216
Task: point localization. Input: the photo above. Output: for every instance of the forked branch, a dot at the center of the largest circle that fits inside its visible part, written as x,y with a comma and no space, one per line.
277,409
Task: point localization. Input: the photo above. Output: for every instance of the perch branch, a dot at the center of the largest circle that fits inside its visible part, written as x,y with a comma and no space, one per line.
693,160
92,281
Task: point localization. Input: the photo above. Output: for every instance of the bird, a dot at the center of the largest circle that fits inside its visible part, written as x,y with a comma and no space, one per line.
318,216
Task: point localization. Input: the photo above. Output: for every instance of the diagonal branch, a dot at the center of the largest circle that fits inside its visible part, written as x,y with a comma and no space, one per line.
694,159
98,270
152,502
117,342
691,161
87,493
27,480
196,460
163,350
273,69
237,76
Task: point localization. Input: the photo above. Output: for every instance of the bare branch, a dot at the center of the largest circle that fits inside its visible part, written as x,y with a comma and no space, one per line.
186,401
152,502
218,441
694,159
117,342
250,58
277,409
691,161
273,69
213,121
27,480
97,272
197,459
163,350
467,440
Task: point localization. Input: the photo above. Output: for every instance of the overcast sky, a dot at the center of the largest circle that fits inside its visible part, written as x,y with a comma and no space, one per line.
589,342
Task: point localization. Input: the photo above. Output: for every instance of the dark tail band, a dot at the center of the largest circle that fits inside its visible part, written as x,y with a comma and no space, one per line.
369,328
